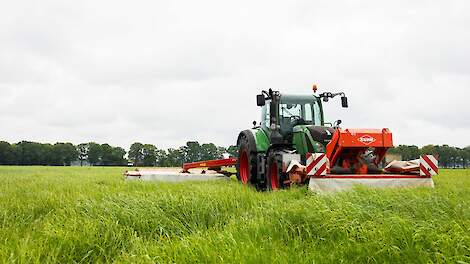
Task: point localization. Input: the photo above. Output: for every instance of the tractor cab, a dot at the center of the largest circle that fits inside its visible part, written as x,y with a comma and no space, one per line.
297,110
296,119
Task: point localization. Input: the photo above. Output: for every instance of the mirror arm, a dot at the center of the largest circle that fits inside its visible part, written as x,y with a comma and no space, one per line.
335,94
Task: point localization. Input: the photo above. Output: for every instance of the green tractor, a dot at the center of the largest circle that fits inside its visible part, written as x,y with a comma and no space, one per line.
291,126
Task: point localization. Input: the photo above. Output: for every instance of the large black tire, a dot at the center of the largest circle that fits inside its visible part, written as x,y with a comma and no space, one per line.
274,179
246,164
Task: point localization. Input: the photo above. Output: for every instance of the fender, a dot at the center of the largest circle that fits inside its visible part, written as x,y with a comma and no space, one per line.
259,141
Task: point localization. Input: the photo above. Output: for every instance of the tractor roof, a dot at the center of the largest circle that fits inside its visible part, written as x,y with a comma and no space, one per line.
291,98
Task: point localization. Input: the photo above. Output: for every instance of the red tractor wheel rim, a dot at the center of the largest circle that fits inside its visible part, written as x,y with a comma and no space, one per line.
244,167
273,174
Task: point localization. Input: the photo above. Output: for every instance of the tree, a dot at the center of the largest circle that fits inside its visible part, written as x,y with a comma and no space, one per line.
7,155
233,151
161,157
49,155
428,150
149,155
174,158
136,153
82,150
94,153
59,154
69,153
118,156
406,152
444,153
106,154
209,152
462,157
191,151
54,156
466,151
30,153
112,156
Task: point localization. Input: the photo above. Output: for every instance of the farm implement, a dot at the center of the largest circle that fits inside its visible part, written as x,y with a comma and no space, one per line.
194,171
172,175
294,145
212,165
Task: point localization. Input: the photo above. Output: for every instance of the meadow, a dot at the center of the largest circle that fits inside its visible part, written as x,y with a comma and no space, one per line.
90,214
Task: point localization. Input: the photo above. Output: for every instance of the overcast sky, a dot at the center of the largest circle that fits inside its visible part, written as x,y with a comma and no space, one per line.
165,72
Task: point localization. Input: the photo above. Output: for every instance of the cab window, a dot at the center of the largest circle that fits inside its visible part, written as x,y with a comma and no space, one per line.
292,114
265,114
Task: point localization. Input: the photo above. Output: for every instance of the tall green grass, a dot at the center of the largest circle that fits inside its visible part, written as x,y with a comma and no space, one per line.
56,214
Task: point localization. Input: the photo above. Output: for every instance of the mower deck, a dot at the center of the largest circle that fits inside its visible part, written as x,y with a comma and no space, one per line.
172,176
335,182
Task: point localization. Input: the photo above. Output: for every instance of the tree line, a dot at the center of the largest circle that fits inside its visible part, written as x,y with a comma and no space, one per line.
449,157
148,155
139,154
60,154
94,154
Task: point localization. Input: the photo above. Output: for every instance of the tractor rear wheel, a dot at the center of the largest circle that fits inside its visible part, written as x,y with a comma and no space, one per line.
274,179
246,164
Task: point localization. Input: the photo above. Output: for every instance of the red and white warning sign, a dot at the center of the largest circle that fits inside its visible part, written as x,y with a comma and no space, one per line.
316,164
428,166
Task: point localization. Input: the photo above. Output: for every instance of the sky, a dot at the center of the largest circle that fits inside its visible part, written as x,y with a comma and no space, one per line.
165,72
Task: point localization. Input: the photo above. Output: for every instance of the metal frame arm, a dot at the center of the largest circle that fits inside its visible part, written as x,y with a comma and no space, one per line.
327,95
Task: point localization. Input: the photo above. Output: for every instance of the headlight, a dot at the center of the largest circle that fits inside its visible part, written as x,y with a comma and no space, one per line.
318,148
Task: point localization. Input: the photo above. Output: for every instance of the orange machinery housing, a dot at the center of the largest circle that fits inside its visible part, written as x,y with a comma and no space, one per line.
349,148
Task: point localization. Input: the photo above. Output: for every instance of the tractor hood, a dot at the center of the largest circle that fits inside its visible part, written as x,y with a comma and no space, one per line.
310,138
321,134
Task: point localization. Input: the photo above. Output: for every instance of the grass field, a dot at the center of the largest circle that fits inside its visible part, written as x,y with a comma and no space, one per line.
54,214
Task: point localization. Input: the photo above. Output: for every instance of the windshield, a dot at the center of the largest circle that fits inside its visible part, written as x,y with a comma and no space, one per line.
296,110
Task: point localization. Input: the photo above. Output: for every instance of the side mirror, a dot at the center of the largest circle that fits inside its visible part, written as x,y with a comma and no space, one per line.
260,100
344,101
